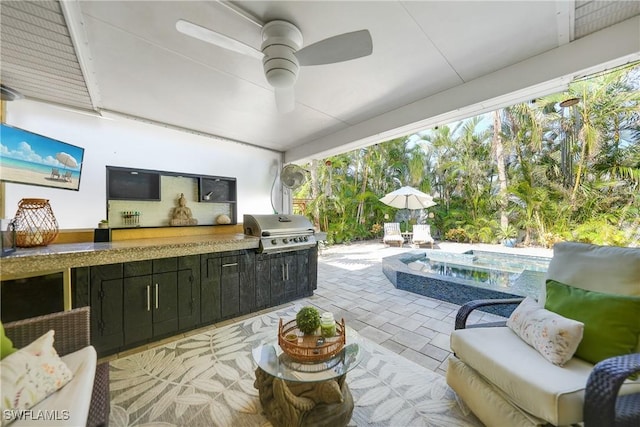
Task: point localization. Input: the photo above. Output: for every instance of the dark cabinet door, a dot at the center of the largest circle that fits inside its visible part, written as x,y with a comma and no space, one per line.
290,275
303,288
277,275
106,289
247,282
284,274
230,286
263,281
138,314
188,292
313,269
165,303
210,272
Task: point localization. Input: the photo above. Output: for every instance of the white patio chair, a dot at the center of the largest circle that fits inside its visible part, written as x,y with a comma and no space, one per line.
422,235
392,235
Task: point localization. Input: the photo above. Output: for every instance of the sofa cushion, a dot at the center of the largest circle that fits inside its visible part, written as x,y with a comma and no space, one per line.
31,374
609,269
548,391
611,322
486,401
555,337
71,403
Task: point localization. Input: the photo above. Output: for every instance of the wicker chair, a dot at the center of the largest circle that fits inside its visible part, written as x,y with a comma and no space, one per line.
72,334
605,402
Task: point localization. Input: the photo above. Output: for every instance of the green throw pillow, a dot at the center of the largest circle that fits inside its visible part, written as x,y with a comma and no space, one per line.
611,322
6,346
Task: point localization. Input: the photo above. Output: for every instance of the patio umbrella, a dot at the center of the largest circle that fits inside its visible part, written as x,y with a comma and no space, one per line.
408,198
67,159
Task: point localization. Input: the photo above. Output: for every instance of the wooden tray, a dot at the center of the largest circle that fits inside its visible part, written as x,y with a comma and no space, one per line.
304,348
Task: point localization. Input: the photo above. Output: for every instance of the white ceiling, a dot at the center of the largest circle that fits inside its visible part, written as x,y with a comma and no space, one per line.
432,61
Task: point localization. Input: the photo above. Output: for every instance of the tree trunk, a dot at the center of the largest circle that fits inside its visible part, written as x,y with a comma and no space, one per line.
498,150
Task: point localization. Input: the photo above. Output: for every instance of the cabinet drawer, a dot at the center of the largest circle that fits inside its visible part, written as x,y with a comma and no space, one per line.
230,265
137,268
165,265
106,272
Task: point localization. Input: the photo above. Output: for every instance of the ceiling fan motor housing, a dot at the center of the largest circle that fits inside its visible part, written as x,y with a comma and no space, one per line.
281,40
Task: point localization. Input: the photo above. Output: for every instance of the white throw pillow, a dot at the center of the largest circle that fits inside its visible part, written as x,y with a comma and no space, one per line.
31,374
555,337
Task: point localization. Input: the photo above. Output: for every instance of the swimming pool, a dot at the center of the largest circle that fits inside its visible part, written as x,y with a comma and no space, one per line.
463,277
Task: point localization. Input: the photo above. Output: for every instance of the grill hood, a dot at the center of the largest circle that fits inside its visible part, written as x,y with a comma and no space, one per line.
280,233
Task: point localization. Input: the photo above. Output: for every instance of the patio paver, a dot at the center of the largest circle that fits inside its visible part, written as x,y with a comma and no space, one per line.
351,284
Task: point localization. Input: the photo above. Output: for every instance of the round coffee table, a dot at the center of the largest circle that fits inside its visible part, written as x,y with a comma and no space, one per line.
295,394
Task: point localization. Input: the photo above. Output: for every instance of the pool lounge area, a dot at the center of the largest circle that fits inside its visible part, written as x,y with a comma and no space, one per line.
462,277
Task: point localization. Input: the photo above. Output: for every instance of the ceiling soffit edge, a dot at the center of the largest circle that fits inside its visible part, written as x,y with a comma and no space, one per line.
75,24
186,130
560,65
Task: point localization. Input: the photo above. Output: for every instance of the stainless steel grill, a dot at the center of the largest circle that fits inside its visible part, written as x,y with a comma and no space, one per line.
280,233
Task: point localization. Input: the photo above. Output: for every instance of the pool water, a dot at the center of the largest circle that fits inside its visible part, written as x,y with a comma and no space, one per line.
495,270
463,277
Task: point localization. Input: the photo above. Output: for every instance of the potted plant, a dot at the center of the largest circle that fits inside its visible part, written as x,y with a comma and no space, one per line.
308,320
508,235
103,224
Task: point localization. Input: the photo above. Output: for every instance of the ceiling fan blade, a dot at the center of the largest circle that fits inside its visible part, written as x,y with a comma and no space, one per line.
210,36
343,47
285,99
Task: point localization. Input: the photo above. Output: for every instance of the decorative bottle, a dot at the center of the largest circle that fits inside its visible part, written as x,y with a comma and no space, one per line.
327,325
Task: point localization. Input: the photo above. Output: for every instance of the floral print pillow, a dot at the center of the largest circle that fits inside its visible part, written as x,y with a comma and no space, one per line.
31,374
555,337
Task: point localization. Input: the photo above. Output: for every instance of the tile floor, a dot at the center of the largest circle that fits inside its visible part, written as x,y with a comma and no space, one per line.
352,286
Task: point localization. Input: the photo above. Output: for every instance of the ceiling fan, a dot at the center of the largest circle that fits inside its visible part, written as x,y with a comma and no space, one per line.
282,53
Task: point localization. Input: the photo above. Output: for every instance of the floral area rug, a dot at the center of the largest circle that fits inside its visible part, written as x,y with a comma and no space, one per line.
207,380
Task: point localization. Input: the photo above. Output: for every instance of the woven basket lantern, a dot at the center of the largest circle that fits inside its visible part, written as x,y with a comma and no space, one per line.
35,223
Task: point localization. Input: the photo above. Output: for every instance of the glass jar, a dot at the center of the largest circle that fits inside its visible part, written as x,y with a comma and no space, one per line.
327,325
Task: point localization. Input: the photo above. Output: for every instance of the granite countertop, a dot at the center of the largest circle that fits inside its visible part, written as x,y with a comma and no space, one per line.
57,257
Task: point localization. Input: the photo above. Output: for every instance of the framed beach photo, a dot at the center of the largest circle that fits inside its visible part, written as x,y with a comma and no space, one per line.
29,158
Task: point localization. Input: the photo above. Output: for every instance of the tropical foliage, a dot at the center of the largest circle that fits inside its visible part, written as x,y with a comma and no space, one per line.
562,167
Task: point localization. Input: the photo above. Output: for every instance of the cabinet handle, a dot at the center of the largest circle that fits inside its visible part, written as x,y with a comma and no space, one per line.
148,298
283,277
287,271
230,265
156,296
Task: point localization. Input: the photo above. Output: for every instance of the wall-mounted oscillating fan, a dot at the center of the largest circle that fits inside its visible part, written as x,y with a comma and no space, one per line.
293,176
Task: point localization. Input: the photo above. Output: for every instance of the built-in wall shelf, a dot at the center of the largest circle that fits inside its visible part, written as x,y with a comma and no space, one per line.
151,196
217,189
131,184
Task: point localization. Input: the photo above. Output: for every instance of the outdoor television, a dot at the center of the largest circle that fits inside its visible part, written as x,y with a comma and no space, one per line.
29,158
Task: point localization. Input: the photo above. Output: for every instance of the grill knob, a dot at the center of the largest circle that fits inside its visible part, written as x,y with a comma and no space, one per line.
285,240
274,242
295,239
306,239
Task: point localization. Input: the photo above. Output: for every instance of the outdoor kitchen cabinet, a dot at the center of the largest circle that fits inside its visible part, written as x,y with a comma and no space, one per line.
138,301
227,285
106,296
282,277
150,300
188,292
210,277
